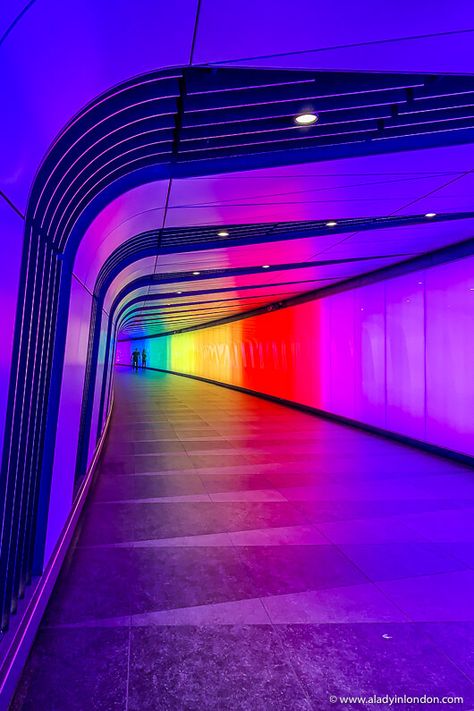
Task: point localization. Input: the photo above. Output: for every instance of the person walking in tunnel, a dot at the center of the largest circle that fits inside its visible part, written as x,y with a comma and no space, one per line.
135,357
143,358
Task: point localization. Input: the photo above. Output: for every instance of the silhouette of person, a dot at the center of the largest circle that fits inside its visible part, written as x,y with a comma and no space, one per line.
135,357
143,358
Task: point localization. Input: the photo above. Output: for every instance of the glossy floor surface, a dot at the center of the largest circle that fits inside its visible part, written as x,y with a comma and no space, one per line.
238,554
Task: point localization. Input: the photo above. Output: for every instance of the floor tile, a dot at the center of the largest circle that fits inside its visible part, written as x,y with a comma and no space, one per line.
232,668
431,598
456,640
372,658
368,530
167,578
238,612
388,561
285,535
75,669
276,570
141,487
354,603
256,558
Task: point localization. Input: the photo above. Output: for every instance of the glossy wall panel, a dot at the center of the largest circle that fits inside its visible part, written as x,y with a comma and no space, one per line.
405,352
69,418
397,354
98,388
450,355
70,409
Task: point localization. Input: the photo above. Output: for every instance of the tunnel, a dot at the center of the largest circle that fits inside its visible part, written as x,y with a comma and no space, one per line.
236,392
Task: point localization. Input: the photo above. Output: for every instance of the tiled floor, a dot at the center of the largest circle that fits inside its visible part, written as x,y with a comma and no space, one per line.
236,554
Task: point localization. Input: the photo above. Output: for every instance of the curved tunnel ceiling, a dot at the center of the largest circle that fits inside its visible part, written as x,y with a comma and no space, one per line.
167,129
201,121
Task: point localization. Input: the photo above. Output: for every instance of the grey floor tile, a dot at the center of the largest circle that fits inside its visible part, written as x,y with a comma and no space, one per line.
231,668
356,659
365,537
75,670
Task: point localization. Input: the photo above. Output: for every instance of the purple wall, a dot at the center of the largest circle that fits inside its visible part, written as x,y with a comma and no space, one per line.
98,387
72,389
75,356
397,354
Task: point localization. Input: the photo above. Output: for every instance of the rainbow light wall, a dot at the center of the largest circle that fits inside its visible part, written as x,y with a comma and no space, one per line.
397,354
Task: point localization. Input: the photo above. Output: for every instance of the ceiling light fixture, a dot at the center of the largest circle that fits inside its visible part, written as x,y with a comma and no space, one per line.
430,214
331,224
306,119
179,292
265,266
196,273
223,233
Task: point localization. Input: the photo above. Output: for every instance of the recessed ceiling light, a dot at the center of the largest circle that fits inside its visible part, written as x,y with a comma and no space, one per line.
306,119
430,214
331,224
223,233
265,266
196,273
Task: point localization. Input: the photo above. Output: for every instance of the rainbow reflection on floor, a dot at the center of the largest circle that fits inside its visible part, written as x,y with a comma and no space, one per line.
237,554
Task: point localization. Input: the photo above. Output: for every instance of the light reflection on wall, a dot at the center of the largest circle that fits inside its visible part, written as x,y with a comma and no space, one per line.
397,354
70,408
